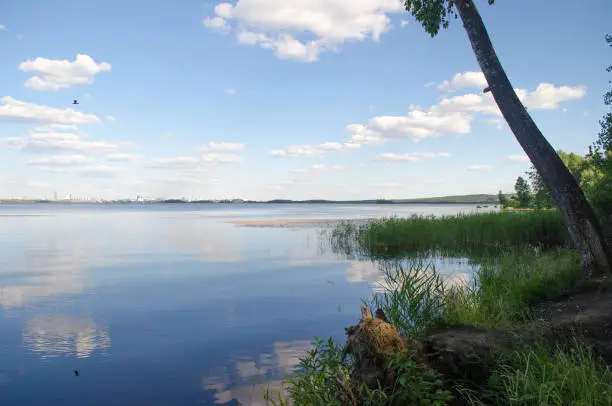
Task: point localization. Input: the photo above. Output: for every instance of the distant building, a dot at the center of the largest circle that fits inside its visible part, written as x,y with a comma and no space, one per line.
55,195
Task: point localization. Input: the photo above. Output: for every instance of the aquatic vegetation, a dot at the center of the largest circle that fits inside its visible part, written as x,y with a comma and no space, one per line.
480,234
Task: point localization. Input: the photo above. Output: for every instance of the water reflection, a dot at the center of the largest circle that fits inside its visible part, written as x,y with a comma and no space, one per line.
452,270
249,380
62,335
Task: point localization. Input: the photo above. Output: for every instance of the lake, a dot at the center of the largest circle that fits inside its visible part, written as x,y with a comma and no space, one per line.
171,304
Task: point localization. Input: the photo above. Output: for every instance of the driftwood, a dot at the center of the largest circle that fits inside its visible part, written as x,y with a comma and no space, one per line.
467,355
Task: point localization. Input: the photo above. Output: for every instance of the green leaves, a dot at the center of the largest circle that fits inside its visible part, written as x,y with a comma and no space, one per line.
432,14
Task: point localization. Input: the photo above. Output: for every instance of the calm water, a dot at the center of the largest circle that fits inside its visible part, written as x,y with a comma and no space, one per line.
170,304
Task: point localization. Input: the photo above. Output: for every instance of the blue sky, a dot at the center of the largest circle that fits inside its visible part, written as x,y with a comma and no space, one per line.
337,99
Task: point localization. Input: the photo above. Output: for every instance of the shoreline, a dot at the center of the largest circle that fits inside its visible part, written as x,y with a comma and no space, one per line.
296,222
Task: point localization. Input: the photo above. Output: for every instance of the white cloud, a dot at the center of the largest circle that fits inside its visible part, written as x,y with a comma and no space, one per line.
404,23
548,97
281,25
20,111
110,118
464,80
60,160
480,167
122,157
221,158
497,122
215,23
178,162
453,115
98,171
43,140
410,157
193,163
230,91
518,158
417,124
61,74
3,27
430,84
225,146
319,168
307,150
11,142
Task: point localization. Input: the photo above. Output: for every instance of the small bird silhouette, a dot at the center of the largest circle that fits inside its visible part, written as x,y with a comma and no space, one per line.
76,372
75,101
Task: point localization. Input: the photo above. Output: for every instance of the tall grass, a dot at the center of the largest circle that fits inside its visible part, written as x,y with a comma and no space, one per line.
460,234
571,376
506,287
416,298
523,259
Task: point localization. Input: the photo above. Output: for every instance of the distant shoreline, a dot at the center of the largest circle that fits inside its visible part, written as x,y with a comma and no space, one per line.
464,199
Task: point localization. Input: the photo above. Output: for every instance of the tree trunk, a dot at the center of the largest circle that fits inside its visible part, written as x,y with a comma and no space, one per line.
578,215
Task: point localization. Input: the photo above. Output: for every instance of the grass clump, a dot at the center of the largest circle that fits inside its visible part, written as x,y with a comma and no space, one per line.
505,288
565,376
459,234
325,378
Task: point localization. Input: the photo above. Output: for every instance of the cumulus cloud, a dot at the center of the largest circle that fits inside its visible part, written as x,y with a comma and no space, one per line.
178,162
547,96
308,150
61,74
464,80
417,124
225,146
193,163
518,158
319,168
288,27
11,142
20,111
60,160
43,140
454,115
221,158
410,157
215,23
122,157
479,167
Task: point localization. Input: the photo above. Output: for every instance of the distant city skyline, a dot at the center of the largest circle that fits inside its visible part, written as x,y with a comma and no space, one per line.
247,99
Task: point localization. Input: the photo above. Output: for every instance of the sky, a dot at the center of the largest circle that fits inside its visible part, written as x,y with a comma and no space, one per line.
294,99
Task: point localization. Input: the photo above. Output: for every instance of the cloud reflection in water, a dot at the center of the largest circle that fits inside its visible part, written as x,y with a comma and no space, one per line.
62,335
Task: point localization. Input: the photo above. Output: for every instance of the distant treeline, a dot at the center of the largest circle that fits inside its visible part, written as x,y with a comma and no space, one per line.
464,199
